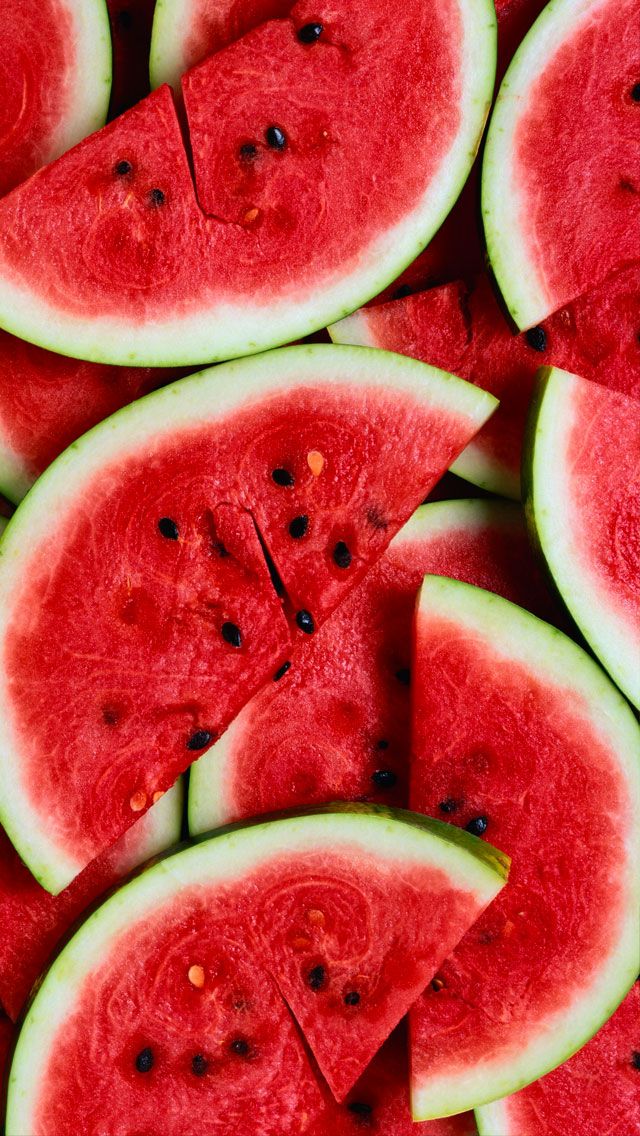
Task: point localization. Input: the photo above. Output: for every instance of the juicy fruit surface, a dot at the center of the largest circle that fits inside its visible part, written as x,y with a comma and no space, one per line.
336,725
596,1091
500,739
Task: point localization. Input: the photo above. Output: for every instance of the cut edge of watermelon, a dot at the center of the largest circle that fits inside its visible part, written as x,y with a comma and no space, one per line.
390,835
92,79
548,511
515,269
492,1118
228,330
205,397
538,646
167,58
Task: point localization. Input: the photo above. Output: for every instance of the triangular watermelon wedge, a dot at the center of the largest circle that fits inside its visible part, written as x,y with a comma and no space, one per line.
163,567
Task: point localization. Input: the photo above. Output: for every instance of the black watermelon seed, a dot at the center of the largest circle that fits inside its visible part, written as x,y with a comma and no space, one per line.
199,740
449,805
352,998
275,138
123,168
310,33
240,1046
248,152
404,676
304,619
156,197
317,977
144,1060
536,337
477,826
199,1065
635,1059
341,555
401,292
281,672
384,778
168,528
635,92
231,634
361,1110
298,527
382,744
110,716
283,477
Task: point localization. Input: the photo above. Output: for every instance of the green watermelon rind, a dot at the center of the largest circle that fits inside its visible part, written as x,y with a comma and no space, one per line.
232,329
391,835
209,805
517,270
207,396
527,640
548,511
166,57
493,1118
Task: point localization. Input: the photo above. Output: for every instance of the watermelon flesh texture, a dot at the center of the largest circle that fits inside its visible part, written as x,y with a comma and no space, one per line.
191,960
336,725
34,922
517,733
131,22
583,504
464,330
596,1091
137,269
168,508
54,81
536,160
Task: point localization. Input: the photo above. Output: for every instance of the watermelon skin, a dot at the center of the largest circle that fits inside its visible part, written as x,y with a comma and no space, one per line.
131,22
583,506
252,910
198,456
34,921
551,959
323,730
130,269
596,1091
536,161
54,81
464,330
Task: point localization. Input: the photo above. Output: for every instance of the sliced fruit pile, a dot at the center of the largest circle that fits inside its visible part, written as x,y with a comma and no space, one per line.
253,607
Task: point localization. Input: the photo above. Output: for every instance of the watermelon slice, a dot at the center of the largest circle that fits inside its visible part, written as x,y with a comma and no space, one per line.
335,726
463,329
176,985
33,922
134,588
519,735
131,22
551,158
110,254
55,78
584,507
596,1092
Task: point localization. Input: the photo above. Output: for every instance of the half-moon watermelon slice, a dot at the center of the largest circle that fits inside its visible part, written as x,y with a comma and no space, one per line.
163,567
596,1092
583,502
335,725
55,79
305,204
553,155
174,999
519,736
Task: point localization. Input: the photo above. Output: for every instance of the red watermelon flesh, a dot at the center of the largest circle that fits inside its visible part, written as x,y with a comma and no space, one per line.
596,1092
131,22
518,735
336,725
465,331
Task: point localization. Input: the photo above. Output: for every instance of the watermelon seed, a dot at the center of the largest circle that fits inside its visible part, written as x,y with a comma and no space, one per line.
156,197
144,1060
404,676
310,33
110,716
316,917
361,1110
281,671
635,1059
449,805
199,1065
317,977
138,801
304,619
283,477
123,168
195,975
341,555
231,634
275,138
248,152
315,461
437,984
536,338
635,92
240,1046
168,528
298,527
157,796
251,215
199,740
384,778
477,826
352,998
